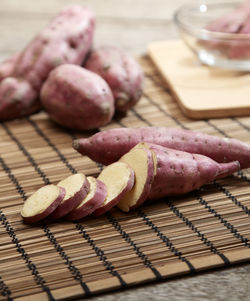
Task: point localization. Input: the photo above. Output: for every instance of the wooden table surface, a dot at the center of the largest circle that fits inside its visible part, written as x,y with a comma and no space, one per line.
132,25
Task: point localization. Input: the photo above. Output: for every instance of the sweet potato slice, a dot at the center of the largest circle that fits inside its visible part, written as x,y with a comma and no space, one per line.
93,200
42,203
77,187
141,159
119,179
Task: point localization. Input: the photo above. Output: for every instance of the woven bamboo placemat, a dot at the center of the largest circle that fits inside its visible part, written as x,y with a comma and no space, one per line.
202,230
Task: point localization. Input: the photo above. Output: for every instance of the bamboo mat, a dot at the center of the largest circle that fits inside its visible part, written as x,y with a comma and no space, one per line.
202,230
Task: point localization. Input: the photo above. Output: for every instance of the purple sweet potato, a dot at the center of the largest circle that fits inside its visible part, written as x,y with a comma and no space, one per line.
235,22
67,39
123,74
180,172
77,98
18,98
108,146
8,65
240,49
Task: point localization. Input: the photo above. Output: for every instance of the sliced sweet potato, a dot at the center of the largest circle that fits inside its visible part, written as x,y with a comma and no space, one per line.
93,200
180,172
42,203
119,179
142,162
77,187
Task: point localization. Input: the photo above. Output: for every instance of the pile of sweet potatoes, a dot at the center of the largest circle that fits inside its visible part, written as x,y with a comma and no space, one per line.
83,97
144,171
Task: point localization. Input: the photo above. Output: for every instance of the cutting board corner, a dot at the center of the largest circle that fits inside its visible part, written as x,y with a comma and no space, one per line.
201,91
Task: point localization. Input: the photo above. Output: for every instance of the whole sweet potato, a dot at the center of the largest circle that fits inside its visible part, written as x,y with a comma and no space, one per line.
234,22
77,98
8,65
17,98
123,74
179,172
67,39
109,146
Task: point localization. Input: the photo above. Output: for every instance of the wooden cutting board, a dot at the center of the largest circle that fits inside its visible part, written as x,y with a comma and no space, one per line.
201,91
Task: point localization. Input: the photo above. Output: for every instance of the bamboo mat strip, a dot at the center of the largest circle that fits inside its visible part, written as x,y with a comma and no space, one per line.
202,230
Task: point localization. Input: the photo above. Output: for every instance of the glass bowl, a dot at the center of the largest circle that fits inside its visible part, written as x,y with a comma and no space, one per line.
213,48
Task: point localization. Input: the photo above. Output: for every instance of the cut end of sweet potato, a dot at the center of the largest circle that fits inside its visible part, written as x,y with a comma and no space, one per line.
75,144
72,184
77,187
42,203
141,159
147,145
93,200
119,179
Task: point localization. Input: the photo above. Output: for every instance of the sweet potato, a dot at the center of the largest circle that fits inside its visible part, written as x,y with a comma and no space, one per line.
77,98
180,172
234,22
67,39
123,74
76,187
42,203
17,98
8,65
110,145
141,160
93,200
119,179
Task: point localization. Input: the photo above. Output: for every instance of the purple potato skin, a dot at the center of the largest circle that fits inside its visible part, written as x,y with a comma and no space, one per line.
8,65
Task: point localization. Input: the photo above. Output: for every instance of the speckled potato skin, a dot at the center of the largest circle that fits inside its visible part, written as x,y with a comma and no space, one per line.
77,98
67,39
123,74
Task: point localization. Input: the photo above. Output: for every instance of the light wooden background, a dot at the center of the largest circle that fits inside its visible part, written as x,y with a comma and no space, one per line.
131,24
